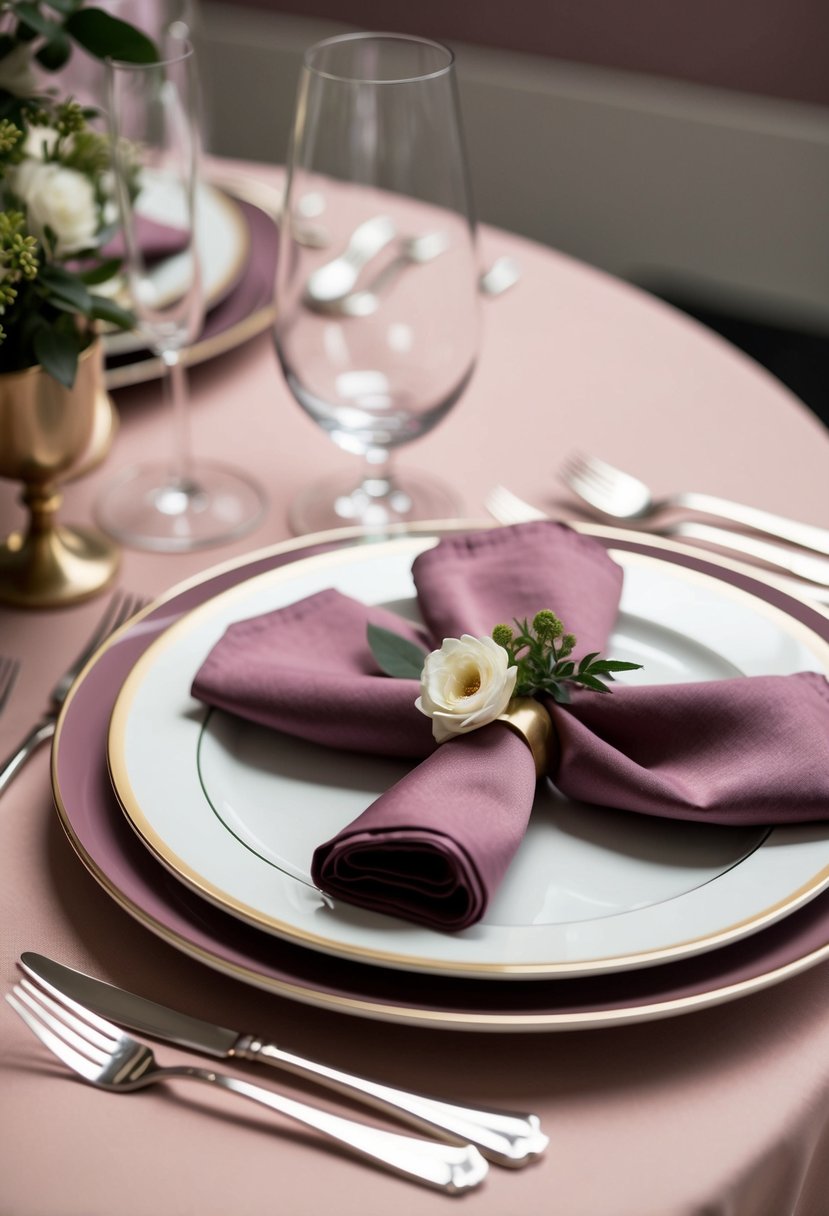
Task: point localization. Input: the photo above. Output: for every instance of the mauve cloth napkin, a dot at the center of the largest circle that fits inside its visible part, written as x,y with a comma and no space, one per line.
436,845
155,239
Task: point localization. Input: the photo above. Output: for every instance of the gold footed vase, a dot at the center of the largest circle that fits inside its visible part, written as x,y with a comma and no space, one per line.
46,431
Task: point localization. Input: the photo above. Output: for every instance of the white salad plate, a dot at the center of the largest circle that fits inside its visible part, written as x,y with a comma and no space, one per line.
235,811
223,242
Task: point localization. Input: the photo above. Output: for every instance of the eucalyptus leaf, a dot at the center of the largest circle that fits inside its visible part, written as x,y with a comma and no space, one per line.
395,655
102,272
68,287
57,353
35,19
55,53
104,309
104,36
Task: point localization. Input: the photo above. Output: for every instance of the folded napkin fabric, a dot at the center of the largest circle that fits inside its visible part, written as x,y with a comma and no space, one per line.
434,848
155,240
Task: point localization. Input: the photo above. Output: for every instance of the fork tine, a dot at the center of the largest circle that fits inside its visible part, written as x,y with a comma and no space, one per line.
508,508
80,1021
55,1044
107,1031
120,607
9,671
52,1016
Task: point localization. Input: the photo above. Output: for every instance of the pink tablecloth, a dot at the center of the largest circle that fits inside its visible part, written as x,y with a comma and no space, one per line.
724,1111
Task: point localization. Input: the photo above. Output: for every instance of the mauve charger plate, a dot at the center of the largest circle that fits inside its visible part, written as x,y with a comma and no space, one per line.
125,869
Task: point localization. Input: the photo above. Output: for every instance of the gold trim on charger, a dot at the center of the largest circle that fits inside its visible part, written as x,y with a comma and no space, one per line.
547,970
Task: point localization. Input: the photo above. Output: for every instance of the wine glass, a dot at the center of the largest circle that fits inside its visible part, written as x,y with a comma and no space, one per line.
179,504
377,334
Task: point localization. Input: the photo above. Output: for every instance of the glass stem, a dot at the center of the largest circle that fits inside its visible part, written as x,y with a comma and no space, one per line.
176,386
378,480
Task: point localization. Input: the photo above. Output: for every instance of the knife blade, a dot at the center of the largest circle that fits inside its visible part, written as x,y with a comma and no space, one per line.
506,1138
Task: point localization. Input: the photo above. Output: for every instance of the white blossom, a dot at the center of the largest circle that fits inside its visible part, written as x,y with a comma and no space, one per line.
465,684
60,199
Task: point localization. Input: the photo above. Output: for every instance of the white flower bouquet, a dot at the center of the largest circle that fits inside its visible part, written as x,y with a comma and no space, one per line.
57,213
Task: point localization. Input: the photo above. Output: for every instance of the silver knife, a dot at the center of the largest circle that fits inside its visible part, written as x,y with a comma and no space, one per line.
505,1138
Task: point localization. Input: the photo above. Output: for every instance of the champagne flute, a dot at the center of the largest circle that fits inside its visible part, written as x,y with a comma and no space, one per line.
377,335
179,504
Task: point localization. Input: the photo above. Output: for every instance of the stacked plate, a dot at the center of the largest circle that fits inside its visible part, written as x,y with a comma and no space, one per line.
202,826
237,246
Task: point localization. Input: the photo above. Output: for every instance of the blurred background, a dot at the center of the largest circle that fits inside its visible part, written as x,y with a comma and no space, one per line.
683,147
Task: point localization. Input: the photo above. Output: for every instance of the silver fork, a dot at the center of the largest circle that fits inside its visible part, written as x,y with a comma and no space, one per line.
110,1059
119,609
619,495
9,670
508,508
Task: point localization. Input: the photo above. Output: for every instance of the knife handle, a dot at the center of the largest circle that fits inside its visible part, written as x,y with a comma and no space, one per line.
505,1138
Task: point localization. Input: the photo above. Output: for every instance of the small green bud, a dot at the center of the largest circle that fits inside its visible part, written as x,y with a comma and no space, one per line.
547,626
503,635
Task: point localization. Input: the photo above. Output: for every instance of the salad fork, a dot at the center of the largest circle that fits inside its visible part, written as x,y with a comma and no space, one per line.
112,1060
508,508
620,496
9,670
119,609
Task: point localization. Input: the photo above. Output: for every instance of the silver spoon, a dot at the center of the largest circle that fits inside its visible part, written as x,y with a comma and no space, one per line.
335,279
416,251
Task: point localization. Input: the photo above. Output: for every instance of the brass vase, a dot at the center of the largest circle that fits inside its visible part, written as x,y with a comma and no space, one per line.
45,432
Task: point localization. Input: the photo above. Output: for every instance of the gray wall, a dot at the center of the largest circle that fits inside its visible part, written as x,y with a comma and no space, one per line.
660,181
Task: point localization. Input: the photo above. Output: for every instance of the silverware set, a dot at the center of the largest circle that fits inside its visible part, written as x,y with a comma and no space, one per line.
54,1001
332,287
620,498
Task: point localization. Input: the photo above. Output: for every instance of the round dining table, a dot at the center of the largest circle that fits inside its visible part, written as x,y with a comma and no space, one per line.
721,1109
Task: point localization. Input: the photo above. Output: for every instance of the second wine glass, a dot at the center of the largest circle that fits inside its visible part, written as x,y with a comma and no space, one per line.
153,114
377,333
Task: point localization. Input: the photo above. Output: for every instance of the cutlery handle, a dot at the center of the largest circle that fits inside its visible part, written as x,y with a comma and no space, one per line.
447,1167
39,733
506,1138
806,535
803,565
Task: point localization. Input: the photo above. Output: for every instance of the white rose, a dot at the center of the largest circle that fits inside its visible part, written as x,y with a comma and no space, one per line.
466,684
16,74
58,198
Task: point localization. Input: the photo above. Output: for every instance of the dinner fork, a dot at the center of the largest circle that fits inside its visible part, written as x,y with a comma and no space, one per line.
9,670
119,609
621,496
508,508
112,1060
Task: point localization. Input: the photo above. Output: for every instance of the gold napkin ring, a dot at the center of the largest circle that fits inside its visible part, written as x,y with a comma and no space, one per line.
529,719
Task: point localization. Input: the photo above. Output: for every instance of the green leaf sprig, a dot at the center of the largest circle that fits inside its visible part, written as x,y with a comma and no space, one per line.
395,655
541,651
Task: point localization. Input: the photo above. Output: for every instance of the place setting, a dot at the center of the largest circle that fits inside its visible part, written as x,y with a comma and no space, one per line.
534,775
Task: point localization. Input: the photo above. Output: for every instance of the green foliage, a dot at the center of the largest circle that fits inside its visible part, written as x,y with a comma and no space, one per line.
47,303
395,655
541,651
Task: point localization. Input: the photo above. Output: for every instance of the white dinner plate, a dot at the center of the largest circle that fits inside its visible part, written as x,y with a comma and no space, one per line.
235,811
223,244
